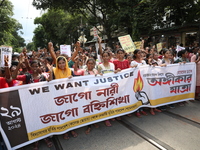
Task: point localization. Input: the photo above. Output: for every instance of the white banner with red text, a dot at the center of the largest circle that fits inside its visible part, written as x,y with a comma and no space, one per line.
38,110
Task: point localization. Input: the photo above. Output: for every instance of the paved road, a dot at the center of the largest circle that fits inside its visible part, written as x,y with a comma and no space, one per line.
177,129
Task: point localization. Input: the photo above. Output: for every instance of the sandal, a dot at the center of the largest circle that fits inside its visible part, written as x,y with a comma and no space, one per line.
107,123
48,142
74,134
66,136
158,110
138,114
152,112
88,131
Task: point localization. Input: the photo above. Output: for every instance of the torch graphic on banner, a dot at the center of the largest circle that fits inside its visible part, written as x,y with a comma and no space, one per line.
137,88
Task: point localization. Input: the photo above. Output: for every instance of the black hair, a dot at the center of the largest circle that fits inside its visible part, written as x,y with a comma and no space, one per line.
180,53
105,52
14,63
117,43
129,55
93,55
154,53
2,70
135,52
49,59
91,59
35,62
148,55
120,49
165,50
61,58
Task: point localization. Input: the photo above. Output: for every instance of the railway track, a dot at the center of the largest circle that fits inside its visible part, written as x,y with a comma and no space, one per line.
147,136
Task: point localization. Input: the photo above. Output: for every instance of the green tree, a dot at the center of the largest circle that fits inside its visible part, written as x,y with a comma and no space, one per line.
137,17
9,27
57,26
39,38
101,12
30,46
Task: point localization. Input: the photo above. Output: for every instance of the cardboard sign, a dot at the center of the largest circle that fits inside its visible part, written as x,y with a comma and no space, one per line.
127,43
159,47
65,49
5,51
138,44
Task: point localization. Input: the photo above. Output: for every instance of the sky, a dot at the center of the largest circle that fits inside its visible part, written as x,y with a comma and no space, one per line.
25,13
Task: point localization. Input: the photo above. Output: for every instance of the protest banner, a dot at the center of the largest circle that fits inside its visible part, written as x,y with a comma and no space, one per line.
159,47
5,51
138,44
127,43
38,110
65,49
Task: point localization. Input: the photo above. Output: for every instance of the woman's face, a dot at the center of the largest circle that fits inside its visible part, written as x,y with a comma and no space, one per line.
61,64
23,65
106,57
13,68
90,65
129,58
185,55
167,54
35,67
171,56
120,55
138,54
150,57
155,56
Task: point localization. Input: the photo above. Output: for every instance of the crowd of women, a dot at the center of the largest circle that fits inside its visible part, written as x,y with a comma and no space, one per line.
48,64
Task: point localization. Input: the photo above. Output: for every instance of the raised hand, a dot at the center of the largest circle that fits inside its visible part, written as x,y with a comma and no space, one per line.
24,51
6,60
50,67
21,58
45,50
50,46
78,44
99,39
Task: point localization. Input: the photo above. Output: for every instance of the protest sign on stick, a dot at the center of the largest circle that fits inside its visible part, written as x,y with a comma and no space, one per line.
159,47
65,49
138,44
5,50
127,43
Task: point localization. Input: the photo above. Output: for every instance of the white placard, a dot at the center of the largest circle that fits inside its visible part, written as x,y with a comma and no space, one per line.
5,51
65,49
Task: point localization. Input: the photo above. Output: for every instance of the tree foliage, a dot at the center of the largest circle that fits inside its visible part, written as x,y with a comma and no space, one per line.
58,26
136,17
9,27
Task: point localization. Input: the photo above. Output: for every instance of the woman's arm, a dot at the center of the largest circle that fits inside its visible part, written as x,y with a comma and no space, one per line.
50,67
15,72
51,50
100,47
26,60
7,69
76,64
77,49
